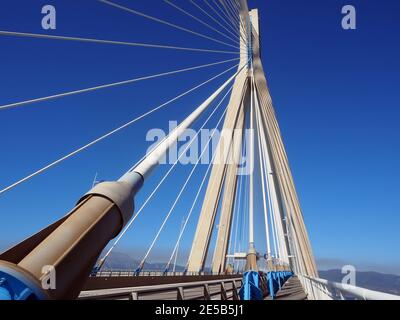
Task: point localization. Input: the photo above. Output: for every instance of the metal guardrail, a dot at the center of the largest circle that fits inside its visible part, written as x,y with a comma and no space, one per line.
178,291
321,289
127,273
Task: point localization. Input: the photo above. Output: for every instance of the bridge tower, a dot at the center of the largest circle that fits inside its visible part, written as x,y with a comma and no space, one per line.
251,91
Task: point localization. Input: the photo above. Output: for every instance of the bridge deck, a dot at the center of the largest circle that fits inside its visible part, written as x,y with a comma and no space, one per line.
225,288
291,290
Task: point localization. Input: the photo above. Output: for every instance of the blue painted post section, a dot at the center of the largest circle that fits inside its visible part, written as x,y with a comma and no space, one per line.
270,280
276,279
94,271
251,286
6,293
138,271
165,272
13,288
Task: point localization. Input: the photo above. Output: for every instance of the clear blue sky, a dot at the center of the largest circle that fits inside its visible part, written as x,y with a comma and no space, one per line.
336,95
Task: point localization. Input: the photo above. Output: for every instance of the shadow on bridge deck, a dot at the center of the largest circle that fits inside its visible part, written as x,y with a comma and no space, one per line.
291,290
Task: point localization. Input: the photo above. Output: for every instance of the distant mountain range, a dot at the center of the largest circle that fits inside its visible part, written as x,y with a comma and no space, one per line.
370,280
388,283
123,261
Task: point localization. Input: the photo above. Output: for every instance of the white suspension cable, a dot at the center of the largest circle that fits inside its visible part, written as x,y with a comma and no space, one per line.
191,210
79,150
236,41
228,11
240,212
235,35
262,177
168,216
228,23
233,222
273,229
281,236
271,211
269,187
234,7
235,20
165,22
114,84
227,15
251,189
231,235
276,219
237,211
151,195
237,3
245,229
274,225
237,15
198,191
179,195
124,43
276,209
177,248
242,26
224,13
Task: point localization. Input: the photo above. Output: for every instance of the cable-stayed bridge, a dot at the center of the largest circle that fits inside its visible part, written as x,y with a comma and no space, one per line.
248,180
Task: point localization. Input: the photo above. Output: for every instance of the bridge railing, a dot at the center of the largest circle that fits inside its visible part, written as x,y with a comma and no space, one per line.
321,289
225,289
132,273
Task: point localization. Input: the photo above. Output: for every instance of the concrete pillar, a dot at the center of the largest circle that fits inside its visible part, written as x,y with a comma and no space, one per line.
228,205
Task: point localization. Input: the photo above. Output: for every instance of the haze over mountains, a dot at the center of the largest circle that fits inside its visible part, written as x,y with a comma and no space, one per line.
388,283
122,261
